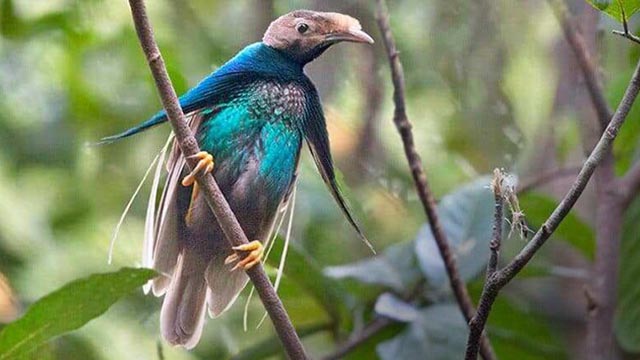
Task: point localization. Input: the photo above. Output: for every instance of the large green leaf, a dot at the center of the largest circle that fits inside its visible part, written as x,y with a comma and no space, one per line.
572,230
439,331
395,268
626,145
628,312
466,216
68,308
613,7
519,333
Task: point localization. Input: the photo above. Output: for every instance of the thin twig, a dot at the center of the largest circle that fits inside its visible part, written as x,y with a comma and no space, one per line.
404,126
475,328
627,35
221,210
625,27
585,61
496,242
502,277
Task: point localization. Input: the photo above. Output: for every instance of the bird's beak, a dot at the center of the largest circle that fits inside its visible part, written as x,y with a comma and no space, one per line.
353,34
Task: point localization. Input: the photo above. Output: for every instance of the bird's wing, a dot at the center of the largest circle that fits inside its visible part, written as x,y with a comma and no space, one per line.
314,129
208,92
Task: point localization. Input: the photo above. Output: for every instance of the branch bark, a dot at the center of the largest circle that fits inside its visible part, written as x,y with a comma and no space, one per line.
612,196
404,127
476,327
502,277
221,210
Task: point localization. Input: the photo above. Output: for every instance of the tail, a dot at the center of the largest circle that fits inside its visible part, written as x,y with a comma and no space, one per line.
182,314
158,118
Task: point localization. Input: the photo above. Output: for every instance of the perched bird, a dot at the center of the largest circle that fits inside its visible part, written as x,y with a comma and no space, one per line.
250,115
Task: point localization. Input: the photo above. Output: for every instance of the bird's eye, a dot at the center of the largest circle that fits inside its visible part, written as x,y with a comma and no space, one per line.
302,28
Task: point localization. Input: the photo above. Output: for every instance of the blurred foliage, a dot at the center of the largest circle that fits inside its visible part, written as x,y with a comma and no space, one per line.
67,309
628,315
481,80
616,8
572,229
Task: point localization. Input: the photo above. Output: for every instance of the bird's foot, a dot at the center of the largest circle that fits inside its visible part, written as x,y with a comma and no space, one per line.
256,251
204,165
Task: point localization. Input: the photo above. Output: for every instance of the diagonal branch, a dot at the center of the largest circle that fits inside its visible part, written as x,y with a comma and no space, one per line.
225,217
404,126
501,278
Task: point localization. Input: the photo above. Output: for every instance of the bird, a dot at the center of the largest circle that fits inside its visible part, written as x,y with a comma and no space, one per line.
250,118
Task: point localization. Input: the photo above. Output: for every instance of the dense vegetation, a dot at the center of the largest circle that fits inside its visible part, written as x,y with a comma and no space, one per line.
489,84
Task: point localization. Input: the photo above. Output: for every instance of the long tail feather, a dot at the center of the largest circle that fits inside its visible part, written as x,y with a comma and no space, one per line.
271,240
285,249
182,314
150,223
125,212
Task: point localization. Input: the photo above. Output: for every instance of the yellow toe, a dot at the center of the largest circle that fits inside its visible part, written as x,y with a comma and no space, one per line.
256,252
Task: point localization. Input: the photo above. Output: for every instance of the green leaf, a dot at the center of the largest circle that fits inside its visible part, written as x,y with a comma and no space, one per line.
628,312
304,271
466,216
625,148
612,7
519,333
68,308
395,268
439,330
537,208
391,306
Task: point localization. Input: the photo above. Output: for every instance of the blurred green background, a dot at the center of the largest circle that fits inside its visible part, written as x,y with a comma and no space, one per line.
489,84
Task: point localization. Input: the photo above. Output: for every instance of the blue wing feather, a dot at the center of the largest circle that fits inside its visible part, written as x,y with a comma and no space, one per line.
253,61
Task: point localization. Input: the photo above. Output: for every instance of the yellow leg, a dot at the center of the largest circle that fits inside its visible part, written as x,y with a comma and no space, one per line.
256,251
206,165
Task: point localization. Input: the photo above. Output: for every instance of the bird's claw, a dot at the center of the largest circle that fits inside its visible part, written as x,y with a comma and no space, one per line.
256,251
205,164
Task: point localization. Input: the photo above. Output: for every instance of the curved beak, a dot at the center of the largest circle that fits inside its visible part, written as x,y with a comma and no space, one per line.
354,34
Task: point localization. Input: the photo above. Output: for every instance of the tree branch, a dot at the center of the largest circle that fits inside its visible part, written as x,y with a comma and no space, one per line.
476,327
221,210
585,61
404,126
496,242
501,278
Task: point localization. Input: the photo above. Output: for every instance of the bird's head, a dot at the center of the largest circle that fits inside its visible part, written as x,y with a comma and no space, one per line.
303,34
